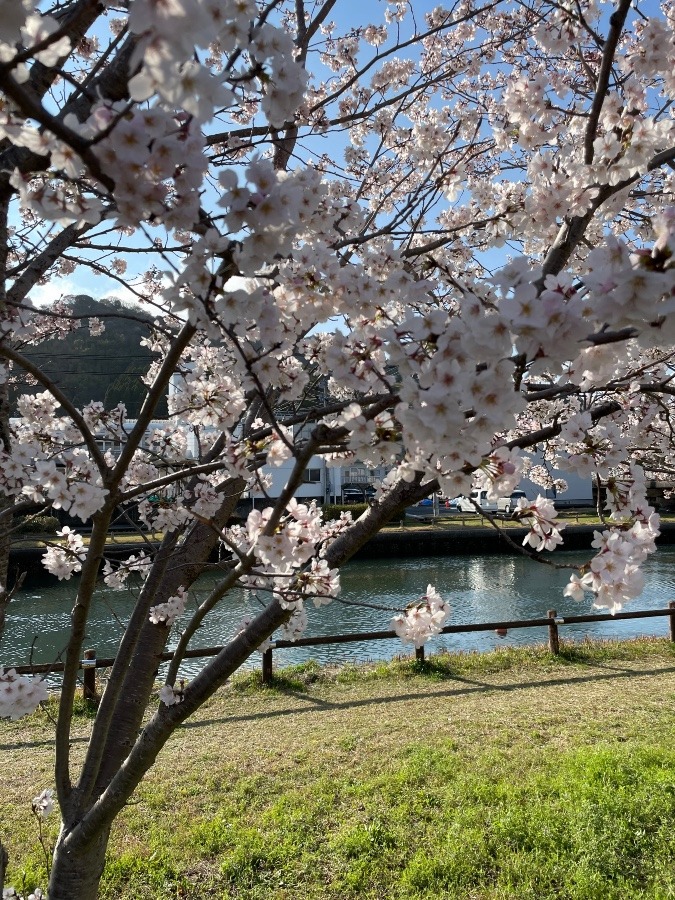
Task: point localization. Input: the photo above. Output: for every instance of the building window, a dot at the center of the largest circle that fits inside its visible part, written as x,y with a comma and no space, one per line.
311,476
115,447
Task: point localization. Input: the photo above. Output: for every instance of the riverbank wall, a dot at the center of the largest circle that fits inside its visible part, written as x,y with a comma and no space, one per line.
439,541
390,543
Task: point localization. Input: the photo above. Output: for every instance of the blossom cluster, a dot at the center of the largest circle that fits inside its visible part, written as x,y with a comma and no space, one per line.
43,804
204,399
287,555
500,472
21,23
10,893
423,619
29,469
287,561
169,695
116,578
542,520
19,694
155,154
614,575
65,560
171,70
169,514
142,151
296,624
167,613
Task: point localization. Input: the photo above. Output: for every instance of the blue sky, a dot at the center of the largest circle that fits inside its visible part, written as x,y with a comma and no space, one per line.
345,14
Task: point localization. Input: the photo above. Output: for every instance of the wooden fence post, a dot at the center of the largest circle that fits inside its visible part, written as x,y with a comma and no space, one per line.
553,641
267,666
419,653
89,679
671,620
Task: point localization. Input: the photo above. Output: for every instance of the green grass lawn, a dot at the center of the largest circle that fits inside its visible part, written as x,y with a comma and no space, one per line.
422,517
27,542
513,774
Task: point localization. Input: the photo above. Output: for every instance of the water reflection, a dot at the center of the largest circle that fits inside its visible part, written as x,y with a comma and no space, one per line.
479,588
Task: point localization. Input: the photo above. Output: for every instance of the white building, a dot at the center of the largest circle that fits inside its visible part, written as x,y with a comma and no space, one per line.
325,483
579,490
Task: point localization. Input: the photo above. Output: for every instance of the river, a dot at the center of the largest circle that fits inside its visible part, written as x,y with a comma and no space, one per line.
479,588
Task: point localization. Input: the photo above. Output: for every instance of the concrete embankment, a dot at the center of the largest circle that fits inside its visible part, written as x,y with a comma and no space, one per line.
440,541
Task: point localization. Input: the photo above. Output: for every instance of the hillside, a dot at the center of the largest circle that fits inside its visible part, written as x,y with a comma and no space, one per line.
105,368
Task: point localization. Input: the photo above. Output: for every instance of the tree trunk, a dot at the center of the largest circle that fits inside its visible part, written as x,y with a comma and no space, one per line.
78,866
5,526
6,502
188,562
4,859
76,871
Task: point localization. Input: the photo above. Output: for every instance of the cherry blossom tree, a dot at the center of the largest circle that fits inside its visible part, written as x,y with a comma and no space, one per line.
456,219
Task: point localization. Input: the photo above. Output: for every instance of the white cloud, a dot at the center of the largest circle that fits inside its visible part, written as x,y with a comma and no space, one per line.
56,288
45,294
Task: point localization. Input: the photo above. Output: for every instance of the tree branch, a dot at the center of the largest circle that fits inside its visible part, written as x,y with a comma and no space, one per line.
616,23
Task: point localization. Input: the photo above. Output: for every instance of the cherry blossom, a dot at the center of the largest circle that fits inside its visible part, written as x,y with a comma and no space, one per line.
19,694
67,559
167,613
169,695
541,517
422,619
614,575
10,893
43,804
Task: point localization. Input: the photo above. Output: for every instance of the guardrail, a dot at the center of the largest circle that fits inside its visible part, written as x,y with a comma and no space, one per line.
552,621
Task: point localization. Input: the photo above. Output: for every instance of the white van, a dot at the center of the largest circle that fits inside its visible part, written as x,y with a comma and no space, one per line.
507,505
464,504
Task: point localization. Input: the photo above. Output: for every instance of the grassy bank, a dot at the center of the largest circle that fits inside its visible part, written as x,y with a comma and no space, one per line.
513,774
419,517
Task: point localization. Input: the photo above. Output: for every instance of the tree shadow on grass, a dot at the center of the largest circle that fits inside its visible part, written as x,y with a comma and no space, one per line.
469,686
289,688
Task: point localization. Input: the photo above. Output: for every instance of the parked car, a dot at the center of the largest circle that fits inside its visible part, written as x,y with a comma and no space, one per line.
429,501
353,496
464,504
448,502
358,493
507,505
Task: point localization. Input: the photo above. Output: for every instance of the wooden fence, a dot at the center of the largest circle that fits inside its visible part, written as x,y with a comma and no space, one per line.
552,622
